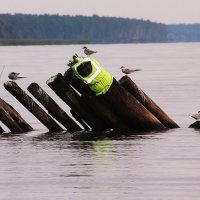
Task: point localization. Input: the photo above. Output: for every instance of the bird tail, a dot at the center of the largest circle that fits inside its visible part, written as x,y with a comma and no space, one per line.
21,77
136,70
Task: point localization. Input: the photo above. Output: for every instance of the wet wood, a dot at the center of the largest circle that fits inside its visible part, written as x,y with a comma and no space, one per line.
130,109
124,107
195,125
128,84
32,106
97,104
53,108
79,119
1,130
12,119
75,102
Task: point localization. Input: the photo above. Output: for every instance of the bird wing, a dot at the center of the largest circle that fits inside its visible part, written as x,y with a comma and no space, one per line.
128,71
90,51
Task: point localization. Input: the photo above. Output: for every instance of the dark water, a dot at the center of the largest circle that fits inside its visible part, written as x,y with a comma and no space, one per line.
150,166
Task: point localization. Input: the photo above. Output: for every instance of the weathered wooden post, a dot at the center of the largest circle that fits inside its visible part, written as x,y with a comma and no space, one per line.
79,119
53,108
127,107
130,109
102,109
74,101
32,106
9,122
128,84
1,130
12,119
195,125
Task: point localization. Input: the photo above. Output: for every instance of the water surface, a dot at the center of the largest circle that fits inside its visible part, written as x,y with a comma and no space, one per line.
150,166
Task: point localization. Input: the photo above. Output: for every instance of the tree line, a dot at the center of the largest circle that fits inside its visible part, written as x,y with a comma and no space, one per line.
56,29
184,33
92,29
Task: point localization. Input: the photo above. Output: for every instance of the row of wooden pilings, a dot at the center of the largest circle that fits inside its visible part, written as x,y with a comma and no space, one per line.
124,107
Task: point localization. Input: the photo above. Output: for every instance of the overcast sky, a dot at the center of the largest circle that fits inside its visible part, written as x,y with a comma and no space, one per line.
165,11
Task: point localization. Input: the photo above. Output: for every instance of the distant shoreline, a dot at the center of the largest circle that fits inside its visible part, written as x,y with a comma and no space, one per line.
49,42
41,42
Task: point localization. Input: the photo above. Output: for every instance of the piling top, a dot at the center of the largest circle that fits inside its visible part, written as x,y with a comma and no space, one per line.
9,83
51,79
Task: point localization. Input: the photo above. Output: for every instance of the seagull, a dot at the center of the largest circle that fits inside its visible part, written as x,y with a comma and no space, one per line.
196,116
14,76
88,52
128,71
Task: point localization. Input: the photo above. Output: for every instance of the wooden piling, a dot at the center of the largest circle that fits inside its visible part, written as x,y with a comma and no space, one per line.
79,119
195,125
53,108
98,105
74,101
130,109
9,122
12,119
32,106
1,130
128,84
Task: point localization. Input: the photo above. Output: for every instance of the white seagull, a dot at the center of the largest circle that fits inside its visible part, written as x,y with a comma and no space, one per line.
14,76
128,71
88,52
196,116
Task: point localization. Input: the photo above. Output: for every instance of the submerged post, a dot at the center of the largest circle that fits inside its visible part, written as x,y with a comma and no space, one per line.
128,84
105,86
195,125
130,109
74,101
12,119
53,108
101,107
79,119
1,130
32,106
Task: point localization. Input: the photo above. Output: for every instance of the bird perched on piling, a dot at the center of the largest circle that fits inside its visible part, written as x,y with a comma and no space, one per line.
14,76
88,52
128,71
196,116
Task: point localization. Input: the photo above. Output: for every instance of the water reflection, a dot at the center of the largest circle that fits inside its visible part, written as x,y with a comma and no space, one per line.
96,141
95,135
58,165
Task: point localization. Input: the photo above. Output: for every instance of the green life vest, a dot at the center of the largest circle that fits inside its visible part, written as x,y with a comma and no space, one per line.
99,80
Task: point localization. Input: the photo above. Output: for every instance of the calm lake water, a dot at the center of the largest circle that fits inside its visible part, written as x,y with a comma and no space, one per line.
154,166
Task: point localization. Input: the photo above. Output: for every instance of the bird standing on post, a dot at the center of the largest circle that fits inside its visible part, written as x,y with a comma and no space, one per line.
128,71
14,76
88,52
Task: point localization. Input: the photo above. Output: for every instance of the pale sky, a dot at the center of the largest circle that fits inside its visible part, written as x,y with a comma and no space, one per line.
164,11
